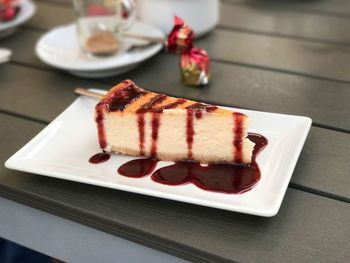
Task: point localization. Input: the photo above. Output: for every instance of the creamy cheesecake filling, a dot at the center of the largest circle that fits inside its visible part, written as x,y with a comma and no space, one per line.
133,121
117,99
168,136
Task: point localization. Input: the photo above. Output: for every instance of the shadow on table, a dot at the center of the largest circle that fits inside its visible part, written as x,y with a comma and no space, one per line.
13,253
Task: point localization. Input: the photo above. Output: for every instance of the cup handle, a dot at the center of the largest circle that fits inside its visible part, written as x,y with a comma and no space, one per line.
128,13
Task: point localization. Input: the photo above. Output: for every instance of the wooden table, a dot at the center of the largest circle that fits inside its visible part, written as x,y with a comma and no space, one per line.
290,57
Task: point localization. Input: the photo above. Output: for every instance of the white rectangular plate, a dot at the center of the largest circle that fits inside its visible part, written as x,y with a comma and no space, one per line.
63,148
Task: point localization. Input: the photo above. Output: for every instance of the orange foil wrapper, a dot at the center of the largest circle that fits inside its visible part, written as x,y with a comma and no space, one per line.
180,38
195,67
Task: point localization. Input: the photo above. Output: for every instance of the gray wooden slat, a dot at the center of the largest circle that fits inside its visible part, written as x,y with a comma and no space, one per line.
308,227
38,94
281,54
330,7
231,85
22,44
47,94
290,55
324,101
325,158
285,22
49,15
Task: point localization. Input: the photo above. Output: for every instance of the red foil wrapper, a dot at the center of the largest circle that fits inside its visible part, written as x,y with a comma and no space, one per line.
195,67
8,10
180,38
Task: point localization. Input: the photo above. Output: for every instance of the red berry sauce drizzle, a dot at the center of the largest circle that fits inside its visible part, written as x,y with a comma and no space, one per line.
225,178
116,100
237,136
99,158
138,168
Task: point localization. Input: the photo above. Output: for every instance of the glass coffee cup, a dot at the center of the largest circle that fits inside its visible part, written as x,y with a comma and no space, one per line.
101,23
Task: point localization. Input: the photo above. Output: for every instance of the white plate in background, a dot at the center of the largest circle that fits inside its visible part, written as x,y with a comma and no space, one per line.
63,148
60,48
26,11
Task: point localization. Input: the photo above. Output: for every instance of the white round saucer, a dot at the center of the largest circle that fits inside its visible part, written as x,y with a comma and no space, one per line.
60,48
26,11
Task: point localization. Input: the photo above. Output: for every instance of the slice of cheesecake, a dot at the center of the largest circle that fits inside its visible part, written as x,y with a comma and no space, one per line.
133,121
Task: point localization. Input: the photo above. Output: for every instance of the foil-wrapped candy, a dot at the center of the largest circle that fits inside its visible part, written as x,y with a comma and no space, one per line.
8,10
180,38
195,67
